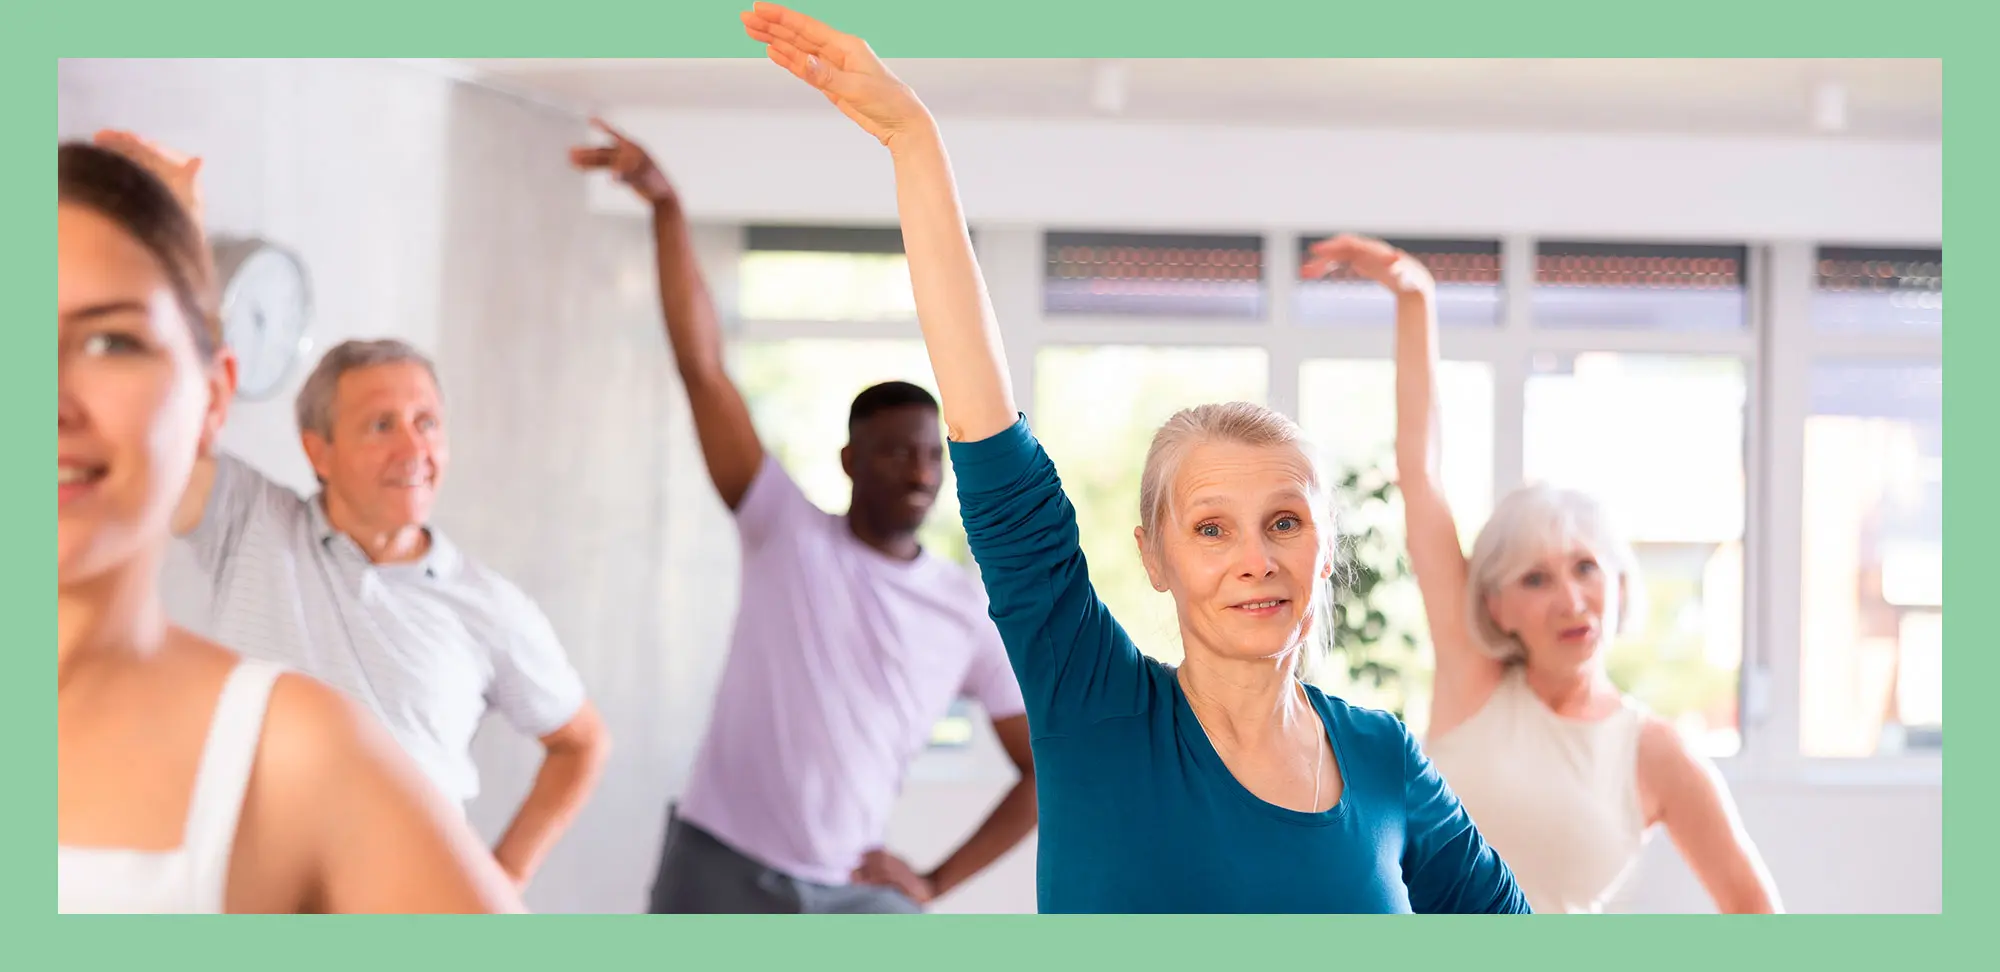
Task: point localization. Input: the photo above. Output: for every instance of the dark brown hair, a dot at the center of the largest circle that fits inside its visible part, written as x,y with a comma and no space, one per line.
140,204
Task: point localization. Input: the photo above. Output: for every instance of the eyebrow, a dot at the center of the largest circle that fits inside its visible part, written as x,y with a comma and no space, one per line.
95,311
1211,499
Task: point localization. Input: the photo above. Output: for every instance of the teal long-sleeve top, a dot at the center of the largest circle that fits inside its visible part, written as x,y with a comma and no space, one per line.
1137,811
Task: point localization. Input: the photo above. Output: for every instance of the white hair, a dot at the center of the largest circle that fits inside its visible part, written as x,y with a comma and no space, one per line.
314,406
1249,424
1525,527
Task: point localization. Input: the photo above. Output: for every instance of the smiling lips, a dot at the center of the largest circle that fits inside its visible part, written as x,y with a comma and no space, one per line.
1261,609
76,477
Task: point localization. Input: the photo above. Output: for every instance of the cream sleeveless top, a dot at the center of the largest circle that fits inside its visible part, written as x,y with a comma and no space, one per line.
191,878
1557,798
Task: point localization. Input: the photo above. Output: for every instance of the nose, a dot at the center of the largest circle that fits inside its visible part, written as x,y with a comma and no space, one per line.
1571,598
69,412
926,474
1256,559
409,443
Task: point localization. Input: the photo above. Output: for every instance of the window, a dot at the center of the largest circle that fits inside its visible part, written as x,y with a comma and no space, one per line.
1468,286
1659,440
1879,291
1347,408
1632,286
1872,594
799,391
1151,274
812,273
1633,382
1098,409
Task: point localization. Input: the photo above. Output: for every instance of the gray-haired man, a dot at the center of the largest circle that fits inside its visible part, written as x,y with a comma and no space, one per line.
354,587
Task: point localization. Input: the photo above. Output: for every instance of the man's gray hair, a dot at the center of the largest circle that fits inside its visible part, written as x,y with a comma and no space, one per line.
315,402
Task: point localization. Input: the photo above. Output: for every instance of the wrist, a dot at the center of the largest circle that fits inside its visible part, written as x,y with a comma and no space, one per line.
919,138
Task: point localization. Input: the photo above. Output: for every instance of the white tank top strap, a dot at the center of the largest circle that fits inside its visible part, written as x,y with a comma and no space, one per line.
224,778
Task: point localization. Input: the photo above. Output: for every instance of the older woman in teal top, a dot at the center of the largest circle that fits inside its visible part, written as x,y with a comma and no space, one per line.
1223,785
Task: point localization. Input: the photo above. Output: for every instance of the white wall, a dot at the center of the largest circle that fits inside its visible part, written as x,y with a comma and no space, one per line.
392,183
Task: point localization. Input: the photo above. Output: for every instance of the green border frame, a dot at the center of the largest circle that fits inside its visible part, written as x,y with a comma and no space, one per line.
36,33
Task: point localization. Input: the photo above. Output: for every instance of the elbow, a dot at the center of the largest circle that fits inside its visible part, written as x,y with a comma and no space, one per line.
584,744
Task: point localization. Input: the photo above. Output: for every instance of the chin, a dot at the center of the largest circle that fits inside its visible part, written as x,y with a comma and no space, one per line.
411,513
82,553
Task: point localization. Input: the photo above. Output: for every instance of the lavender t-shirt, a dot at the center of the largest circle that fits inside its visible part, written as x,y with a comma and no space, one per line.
841,661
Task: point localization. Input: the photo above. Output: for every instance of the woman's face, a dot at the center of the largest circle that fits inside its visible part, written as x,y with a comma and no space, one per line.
134,401
1240,550
1560,606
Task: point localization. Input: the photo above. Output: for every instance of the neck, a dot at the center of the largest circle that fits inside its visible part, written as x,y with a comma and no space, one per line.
117,611
1571,690
1246,702
900,544
397,544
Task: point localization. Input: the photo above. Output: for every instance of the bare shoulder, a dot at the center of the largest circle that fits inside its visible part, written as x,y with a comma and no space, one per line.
1663,750
1671,771
314,732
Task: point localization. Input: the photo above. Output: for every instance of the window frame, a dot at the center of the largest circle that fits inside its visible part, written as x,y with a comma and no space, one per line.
1778,348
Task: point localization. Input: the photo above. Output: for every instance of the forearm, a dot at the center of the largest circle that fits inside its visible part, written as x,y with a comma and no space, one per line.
561,788
1417,438
692,329
953,309
1010,822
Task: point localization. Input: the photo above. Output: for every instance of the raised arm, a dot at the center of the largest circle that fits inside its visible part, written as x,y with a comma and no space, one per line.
1074,662
952,306
1465,677
729,443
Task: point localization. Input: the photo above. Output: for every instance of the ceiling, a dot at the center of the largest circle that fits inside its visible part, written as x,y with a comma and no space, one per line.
1870,98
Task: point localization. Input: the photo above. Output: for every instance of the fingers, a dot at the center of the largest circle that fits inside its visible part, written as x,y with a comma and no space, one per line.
768,31
592,156
806,28
605,127
806,67
164,161
769,23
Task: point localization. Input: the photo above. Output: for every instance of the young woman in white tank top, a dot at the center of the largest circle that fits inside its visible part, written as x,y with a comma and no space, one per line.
1563,775
188,780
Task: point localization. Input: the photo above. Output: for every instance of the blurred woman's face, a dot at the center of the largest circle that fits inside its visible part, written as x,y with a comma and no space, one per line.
134,400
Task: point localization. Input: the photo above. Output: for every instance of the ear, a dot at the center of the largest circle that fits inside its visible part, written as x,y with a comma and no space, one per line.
221,394
319,452
847,460
1155,571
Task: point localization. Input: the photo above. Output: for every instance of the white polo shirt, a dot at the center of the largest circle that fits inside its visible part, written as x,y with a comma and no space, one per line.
430,646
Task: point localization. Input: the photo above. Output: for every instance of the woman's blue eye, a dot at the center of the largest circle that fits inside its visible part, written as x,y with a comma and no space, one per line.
1209,530
1287,523
111,342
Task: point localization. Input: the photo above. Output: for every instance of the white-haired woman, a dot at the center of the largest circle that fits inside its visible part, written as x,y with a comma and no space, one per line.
1562,772
1225,784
